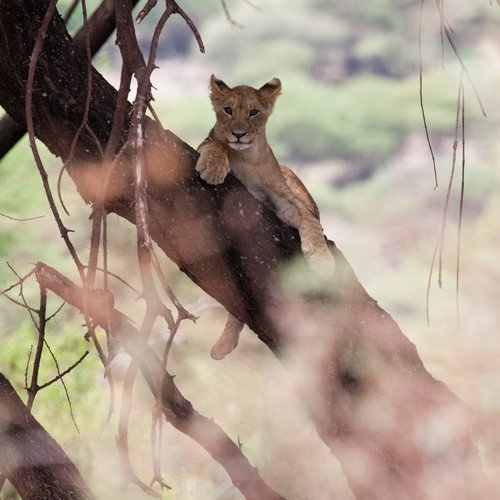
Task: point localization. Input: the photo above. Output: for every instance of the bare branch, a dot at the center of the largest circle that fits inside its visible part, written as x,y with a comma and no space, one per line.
20,220
448,32
461,209
70,10
191,25
228,15
31,459
33,387
177,409
450,184
66,392
29,122
23,303
145,10
65,372
20,281
84,123
421,94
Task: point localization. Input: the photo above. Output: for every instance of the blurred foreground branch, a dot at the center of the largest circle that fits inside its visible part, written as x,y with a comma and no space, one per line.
30,458
176,408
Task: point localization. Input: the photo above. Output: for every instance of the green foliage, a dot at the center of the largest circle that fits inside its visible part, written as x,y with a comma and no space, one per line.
76,19
282,33
21,197
67,344
364,119
349,72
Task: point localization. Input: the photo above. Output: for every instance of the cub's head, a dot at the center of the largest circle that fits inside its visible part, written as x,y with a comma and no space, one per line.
242,111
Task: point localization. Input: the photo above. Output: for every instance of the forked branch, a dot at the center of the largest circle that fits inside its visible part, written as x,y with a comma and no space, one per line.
175,407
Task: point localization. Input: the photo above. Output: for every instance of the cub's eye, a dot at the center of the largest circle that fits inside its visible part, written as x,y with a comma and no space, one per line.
228,111
253,112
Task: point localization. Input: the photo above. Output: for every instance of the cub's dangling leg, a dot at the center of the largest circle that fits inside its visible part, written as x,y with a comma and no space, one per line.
229,339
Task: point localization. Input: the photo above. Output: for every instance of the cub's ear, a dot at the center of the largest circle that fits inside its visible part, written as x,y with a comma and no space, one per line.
271,90
218,88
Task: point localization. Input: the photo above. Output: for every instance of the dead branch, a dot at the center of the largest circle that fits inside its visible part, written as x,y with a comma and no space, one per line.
421,95
33,387
176,408
59,376
18,219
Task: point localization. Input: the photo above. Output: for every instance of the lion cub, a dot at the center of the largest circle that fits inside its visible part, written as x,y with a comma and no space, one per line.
238,143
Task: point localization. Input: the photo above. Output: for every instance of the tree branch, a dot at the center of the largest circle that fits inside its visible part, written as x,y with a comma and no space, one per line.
31,459
176,408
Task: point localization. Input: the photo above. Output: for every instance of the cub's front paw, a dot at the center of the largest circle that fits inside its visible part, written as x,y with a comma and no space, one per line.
213,168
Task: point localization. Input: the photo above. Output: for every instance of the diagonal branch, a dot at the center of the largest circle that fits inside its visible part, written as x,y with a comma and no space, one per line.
176,408
31,459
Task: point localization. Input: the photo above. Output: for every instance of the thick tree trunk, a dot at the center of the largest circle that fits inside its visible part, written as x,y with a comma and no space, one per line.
101,25
30,458
397,432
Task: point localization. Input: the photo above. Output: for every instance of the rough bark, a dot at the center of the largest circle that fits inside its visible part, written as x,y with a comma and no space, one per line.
368,393
30,458
101,25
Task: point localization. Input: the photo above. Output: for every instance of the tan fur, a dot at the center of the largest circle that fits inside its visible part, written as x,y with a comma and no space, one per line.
238,143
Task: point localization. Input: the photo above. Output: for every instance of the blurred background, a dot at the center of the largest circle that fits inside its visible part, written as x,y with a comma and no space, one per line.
349,122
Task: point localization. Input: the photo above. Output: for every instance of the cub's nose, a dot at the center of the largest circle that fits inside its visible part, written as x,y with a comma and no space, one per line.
239,135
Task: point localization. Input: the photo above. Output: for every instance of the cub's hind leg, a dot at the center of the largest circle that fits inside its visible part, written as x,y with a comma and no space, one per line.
229,339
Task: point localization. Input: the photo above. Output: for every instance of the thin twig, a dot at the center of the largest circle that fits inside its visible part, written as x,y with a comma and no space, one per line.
65,372
68,399
20,281
88,97
24,302
42,321
21,220
228,15
183,313
421,94
450,184
460,215
27,367
448,32
145,10
35,55
192,27
70,11
121,280
56,312
123,426
156,440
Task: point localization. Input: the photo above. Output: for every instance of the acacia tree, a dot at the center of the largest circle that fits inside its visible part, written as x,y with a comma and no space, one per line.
353,362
